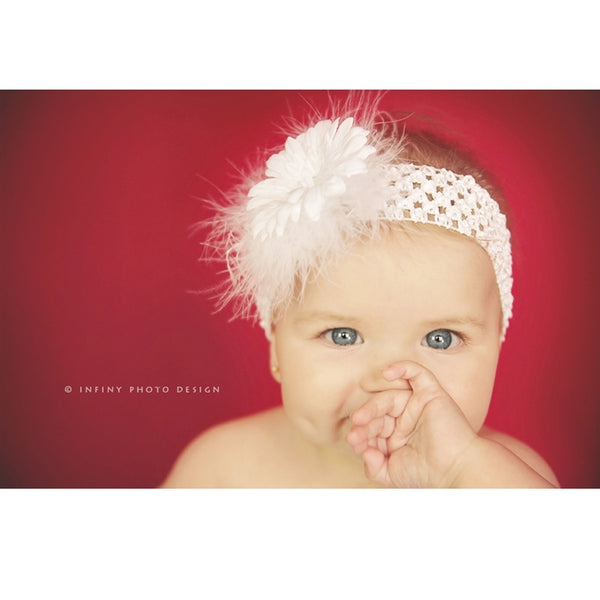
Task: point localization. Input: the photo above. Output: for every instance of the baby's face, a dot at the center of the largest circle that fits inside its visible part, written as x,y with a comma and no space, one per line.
426,295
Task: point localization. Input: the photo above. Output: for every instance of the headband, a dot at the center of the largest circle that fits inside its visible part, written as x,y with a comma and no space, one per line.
327,188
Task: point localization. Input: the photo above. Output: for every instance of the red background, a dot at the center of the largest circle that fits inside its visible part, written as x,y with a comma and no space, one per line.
98,190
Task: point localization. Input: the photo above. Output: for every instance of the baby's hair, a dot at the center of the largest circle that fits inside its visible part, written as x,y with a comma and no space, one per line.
421,147
340,177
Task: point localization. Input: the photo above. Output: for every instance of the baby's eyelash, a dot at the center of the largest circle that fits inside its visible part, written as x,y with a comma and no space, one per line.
463,336
442,339
342,336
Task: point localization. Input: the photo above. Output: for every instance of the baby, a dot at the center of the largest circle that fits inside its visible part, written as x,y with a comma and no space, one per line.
379,265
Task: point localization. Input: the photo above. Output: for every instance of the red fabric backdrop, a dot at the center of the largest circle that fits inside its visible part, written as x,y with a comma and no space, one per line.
98,189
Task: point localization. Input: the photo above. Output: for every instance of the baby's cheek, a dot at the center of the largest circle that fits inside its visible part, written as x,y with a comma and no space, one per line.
318,405
473,396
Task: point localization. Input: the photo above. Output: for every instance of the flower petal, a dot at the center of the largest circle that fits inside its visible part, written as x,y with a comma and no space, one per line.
312,169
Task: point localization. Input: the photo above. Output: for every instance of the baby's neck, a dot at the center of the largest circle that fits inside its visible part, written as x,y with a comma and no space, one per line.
343,470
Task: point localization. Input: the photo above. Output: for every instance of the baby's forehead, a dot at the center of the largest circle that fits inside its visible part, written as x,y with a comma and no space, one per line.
412,268
407,242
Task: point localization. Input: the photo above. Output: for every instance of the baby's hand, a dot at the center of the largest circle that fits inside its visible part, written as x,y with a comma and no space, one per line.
411,437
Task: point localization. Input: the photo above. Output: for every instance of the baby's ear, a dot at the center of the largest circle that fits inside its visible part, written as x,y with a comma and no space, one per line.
273,361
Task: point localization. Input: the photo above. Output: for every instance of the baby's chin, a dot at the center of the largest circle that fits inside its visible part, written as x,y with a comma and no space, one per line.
332,436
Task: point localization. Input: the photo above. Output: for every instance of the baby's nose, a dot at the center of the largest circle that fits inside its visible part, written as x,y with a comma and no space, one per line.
372,378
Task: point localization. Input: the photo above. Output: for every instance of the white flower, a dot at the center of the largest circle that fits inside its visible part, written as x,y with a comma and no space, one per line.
311,169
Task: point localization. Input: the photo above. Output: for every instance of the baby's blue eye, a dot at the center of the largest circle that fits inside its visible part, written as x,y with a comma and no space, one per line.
343,336
441,339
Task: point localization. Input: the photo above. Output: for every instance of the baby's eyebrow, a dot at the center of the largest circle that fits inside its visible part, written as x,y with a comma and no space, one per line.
332,318
464,320
323,316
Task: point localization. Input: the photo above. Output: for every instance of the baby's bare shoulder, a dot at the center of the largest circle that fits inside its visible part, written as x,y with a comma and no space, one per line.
225,455
527,454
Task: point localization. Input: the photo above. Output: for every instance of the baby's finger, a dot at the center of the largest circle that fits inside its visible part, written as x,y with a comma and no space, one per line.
379,405
358,444
360,436
421,380
380,427
375,465
374,434
373,409
406,423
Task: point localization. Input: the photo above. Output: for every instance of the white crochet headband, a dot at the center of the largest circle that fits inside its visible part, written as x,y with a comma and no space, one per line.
329,186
